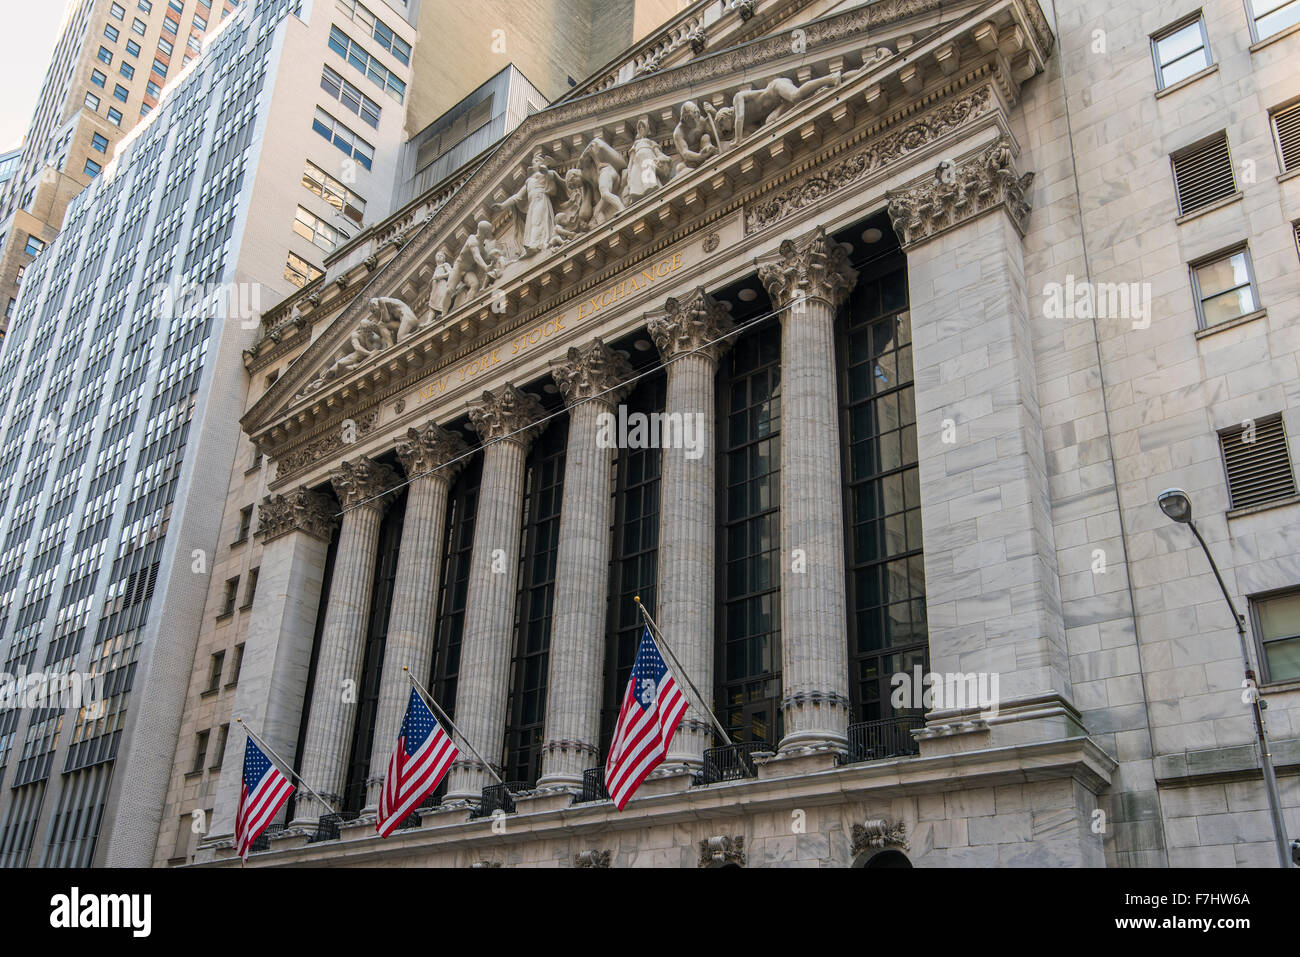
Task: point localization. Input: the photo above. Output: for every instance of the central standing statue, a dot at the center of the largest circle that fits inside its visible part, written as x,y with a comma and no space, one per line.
534,206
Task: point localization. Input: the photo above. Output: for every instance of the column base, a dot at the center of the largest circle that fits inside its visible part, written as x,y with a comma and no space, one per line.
675,779
551,799
790,763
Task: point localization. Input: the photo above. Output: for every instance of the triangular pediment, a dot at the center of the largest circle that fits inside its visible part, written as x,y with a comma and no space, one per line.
578,189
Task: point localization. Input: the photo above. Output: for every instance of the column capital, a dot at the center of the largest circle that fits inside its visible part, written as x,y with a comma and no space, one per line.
593,370
957,192
299,510
507,412
694,324
432,447
363,480
813,267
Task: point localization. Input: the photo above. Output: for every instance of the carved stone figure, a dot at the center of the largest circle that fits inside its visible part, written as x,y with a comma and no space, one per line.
695,138
602,169
534,206
398,318
441,273
372,335
574,216
776,99
471,273
648,166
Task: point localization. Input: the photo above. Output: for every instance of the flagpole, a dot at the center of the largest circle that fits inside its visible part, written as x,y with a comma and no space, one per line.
658,639
451,724
252,734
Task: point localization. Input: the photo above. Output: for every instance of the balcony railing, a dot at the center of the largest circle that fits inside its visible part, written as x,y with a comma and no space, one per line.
263,842
499,797
886,738
732,762
593,786
327,828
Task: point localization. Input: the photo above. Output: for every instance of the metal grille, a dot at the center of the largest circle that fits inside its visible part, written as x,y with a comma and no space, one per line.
886,738
732,762
499,797
1286,123
1258,464
593,786
1203,174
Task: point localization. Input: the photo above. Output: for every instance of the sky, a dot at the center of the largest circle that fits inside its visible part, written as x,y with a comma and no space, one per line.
28,31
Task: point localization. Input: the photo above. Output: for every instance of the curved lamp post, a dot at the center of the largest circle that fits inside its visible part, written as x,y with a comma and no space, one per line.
1177,506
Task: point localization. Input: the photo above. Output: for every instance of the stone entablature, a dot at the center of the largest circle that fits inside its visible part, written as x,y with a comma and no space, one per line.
854,91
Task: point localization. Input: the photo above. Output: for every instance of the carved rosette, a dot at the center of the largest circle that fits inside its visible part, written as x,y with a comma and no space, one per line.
721,850
508,413
429,448
876,834
958,192
363,481
593,371
299,510
697,324
815,267
591,859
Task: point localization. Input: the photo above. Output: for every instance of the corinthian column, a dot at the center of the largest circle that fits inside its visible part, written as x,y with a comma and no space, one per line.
361,486
508,421
593,381
808,283
689,339
430,456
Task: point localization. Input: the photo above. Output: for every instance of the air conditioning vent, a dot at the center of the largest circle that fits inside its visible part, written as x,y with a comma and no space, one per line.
1203,174
1287,124
1257,463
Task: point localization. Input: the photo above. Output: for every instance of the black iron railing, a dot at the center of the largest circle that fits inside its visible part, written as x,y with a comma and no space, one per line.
327,828
593,786
263,842
885,738
499,797
732,762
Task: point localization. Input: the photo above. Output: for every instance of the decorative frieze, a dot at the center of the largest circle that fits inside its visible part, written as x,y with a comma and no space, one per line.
591,371
432,447
591,859
875,834
325,446
507,413
824,180
695,324
721,850
299,510
363,481
815,267
957,192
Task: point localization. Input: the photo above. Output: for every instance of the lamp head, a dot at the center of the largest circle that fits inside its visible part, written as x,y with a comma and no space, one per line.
1175,504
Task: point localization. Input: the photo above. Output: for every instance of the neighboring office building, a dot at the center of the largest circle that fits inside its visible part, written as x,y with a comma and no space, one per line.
109,66
122,392
919,458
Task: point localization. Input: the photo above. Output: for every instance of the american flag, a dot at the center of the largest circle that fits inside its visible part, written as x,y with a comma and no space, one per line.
262,795
424,753
652,707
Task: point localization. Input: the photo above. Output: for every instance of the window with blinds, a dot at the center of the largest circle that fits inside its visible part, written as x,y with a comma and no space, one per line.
1203,174
1257,462
1286,127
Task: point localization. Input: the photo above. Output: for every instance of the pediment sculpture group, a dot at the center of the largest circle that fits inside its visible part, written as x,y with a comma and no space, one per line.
553,208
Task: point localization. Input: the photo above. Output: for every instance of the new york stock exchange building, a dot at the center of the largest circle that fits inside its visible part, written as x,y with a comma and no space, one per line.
747,331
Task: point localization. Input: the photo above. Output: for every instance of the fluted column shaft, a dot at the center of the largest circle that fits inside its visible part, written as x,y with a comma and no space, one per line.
688,337
577,651
484,683
809,282
342,642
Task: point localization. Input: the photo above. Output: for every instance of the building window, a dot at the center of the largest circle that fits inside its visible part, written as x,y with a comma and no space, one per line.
110,31
138,27
333,192
34,246
237,667
9,307
1203,173
1268,17
160,68
99,142
379,74
216,664
120,92
200,752
98,78
347,94
343,138
300,272
165,47
1286,131
886,577
128,71
92,102
115,116
153,89
1224,287
748,692
453,591
315,230
200,23
382,34
132,48
245,523
169,26
1180,51
232,594
105,55
1277,628
219,753
250,590
145,5
116,12
1257,462
526,715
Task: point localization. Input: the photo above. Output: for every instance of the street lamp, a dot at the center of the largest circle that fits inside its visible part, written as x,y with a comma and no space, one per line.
1177,506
